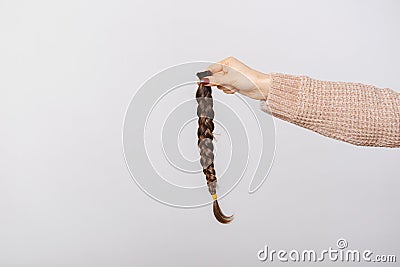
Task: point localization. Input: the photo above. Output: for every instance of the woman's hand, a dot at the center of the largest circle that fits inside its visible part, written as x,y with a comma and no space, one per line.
231,75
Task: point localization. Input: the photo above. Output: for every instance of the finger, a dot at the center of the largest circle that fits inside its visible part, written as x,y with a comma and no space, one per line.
226,88
221,67
215,68
229,92
215,80
224,65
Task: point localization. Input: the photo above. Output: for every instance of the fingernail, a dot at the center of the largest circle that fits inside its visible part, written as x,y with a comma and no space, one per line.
205,80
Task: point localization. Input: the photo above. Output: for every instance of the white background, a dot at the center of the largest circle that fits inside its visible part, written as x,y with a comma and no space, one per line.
68,70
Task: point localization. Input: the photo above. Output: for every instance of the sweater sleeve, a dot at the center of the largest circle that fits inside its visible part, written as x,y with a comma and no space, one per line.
359,114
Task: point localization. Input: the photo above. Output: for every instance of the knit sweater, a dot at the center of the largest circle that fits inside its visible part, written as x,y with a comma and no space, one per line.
359,114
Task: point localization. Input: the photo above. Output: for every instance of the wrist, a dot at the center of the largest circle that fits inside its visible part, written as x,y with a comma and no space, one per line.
263,83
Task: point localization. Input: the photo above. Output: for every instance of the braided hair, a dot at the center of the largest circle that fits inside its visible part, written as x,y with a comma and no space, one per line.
205,112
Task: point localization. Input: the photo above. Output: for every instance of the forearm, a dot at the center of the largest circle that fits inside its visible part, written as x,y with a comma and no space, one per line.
352,112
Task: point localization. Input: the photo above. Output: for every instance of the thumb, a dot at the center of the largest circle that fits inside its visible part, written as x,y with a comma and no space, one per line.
215,80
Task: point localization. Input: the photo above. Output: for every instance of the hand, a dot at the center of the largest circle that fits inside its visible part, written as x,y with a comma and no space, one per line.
230,75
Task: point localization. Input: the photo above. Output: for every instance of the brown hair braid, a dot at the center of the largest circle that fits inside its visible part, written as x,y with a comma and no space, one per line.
205,112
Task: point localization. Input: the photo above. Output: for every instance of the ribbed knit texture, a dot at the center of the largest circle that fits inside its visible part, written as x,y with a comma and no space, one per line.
359,114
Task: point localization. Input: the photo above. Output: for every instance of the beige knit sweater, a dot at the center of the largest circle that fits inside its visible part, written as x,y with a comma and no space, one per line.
359,114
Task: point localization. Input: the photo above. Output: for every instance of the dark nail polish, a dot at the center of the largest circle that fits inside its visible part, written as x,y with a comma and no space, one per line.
203,74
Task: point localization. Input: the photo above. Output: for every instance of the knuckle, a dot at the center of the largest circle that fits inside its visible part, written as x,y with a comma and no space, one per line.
230,59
